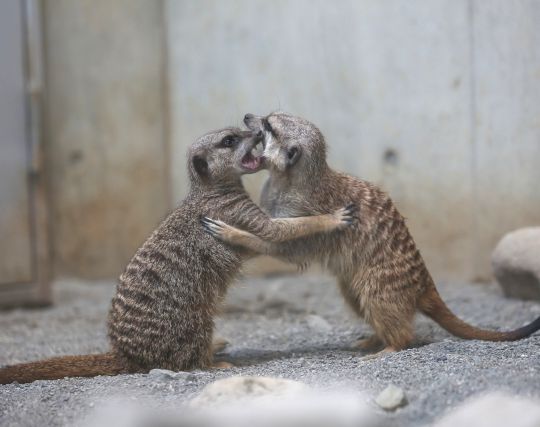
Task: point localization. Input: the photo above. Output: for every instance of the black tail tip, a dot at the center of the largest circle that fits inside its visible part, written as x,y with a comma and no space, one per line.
528,330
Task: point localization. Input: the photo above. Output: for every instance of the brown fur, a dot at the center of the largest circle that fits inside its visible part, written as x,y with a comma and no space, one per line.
162,315
379,269
66,366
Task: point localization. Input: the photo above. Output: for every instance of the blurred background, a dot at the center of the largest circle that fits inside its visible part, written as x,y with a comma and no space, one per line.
437,101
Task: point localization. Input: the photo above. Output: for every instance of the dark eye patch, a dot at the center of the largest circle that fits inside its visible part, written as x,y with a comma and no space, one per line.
293,151
229,141
267,127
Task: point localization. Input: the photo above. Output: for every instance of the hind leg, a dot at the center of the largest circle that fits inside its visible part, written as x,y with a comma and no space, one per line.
378,354
385,305
389,307
222,365
371,343
399,340
351,292
219,344
393,323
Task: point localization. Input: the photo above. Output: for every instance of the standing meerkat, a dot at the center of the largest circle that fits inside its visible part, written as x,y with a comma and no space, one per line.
379,269
162,315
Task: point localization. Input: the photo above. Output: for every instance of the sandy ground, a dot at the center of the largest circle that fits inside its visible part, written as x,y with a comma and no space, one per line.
290,327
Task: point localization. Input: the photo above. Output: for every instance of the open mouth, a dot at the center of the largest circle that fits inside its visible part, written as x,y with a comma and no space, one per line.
253,159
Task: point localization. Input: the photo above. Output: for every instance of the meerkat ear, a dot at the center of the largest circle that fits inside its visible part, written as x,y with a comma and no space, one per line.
200,165
293,154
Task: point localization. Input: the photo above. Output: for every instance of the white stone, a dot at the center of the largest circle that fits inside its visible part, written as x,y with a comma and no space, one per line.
238,388
345,408
494,410
391,398
284,403
516,263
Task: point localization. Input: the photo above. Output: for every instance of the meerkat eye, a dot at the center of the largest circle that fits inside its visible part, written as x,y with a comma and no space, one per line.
293,151
229,141
293,154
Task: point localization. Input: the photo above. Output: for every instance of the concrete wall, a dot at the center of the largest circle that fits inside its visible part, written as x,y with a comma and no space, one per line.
106,144
438,101
15,231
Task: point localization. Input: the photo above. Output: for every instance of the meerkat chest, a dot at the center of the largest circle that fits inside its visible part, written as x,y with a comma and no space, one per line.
281,204
284,210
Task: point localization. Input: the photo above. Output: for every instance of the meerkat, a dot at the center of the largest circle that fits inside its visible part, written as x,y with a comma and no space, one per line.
162,315
379,269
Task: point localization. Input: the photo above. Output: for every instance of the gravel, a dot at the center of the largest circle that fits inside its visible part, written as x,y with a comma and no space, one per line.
294,327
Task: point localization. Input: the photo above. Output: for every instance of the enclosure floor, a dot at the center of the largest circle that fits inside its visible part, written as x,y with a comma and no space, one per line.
291,327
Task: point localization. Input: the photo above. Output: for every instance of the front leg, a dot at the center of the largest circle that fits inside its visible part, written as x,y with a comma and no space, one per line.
294,227
284,229
237,237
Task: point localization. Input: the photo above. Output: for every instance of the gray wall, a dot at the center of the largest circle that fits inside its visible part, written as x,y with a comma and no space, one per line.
438,101
15,231
106,144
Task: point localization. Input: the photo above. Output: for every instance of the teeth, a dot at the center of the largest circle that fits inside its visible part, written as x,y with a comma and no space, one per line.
258,150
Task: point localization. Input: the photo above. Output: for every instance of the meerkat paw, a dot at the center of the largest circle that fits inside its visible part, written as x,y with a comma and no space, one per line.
345,216
222,365
370,343
219,344
216,228
384,351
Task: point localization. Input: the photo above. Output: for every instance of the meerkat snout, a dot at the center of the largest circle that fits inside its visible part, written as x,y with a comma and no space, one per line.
253,122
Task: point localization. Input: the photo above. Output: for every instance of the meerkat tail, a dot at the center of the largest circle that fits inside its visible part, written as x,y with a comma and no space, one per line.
433,306
90,365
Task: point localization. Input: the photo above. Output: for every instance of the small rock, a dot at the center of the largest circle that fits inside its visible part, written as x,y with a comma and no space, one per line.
391,398
319,323
494,410
516,263
235,388
165,374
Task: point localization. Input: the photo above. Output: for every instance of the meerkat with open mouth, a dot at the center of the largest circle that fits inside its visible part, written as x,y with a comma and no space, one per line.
162,315
379,269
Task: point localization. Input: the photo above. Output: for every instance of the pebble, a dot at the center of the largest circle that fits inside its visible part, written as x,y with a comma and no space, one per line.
391,398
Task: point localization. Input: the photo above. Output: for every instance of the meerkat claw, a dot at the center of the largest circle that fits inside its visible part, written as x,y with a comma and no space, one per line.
347,214
211,227
207,222
352,210
215,223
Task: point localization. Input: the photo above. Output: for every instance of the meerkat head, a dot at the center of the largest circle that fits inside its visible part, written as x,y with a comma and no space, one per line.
292,145
223,156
